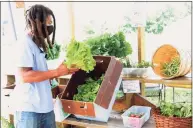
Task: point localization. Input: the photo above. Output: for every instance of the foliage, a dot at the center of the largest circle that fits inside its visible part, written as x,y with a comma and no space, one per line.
88,91
79,54
176,109
128,64
53,53
5,123
155,24
119,94
171,68
110,45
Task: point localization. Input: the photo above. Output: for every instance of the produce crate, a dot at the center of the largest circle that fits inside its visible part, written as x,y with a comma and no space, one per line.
133,122
100,109
57,90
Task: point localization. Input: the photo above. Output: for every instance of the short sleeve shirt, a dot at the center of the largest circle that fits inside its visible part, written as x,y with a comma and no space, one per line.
36,96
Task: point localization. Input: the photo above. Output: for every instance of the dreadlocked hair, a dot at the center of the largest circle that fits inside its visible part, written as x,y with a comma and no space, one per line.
36,19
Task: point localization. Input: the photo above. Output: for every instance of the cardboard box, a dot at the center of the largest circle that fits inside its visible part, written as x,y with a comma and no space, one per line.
100,109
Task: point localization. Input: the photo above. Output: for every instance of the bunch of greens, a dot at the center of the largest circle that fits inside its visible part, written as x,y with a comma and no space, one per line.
79,54
143,64
126,62
88,91
110,45
119,94
176,109
171,68
53,53
5,123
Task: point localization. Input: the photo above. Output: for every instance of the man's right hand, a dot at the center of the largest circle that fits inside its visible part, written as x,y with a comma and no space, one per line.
63,70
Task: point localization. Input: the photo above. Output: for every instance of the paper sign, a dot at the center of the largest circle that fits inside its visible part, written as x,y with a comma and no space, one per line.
131,86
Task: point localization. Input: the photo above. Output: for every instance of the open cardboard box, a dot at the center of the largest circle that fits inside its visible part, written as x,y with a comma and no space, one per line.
100,109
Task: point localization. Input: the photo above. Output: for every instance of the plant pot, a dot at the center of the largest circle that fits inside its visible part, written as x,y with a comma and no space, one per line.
170,122
135,72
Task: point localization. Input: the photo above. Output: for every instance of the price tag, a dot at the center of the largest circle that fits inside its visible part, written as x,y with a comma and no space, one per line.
138,16
131,86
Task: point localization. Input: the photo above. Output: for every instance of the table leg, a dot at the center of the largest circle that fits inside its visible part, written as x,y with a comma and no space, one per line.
142,89
173,95
164,91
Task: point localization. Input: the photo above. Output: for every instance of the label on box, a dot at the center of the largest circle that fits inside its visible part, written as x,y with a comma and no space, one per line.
131,86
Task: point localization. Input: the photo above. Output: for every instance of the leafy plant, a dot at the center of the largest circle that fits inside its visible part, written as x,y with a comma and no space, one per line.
176,109
88,91
119,94
110,45
53,53
80,55
5,123
156,24
128,64
171,68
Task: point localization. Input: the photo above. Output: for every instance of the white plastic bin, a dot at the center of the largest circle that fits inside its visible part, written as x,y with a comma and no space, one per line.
133,122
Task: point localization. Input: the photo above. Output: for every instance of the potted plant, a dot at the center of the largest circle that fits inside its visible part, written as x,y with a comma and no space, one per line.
135,69
173,115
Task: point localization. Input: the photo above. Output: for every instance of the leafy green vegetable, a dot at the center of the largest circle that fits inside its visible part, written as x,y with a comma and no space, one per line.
5,123
88,91
143,64
110,45
53,53
171,68
80,55
119,94
128,64
176,109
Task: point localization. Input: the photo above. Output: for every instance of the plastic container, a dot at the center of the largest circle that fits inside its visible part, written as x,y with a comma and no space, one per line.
133,122
135,72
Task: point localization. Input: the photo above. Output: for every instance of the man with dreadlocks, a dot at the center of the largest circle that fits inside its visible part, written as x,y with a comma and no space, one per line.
34,106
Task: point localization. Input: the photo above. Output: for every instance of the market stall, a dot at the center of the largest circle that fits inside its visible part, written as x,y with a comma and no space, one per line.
88,98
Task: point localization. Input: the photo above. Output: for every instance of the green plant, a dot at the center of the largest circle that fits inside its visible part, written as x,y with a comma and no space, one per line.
88,91
175,109
171,68
119,94
5,123
53,53
143,64
126,62
79,54
110,45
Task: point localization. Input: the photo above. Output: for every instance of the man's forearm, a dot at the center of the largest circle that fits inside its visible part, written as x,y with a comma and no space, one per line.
38,76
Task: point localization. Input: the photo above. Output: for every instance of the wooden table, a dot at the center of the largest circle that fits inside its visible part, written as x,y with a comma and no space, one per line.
181,82
115,121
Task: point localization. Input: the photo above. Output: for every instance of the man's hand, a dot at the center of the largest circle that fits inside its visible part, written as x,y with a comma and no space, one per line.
63,70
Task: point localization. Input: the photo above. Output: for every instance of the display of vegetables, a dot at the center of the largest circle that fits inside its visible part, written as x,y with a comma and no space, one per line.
136,115
87,92
110,45
79,54
128,64
53,53
171,68
176,109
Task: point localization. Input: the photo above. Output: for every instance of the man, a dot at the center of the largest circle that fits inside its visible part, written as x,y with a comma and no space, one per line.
34,104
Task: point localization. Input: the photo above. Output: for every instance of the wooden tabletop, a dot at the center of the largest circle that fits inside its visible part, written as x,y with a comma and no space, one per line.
186,80
115,121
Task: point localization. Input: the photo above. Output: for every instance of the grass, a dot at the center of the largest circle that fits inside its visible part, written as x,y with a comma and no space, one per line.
181,95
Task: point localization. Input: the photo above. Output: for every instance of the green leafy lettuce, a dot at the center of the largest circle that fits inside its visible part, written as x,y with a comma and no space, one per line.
87,92
80,55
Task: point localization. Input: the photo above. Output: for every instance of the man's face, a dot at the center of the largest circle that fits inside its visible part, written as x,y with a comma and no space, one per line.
49,20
